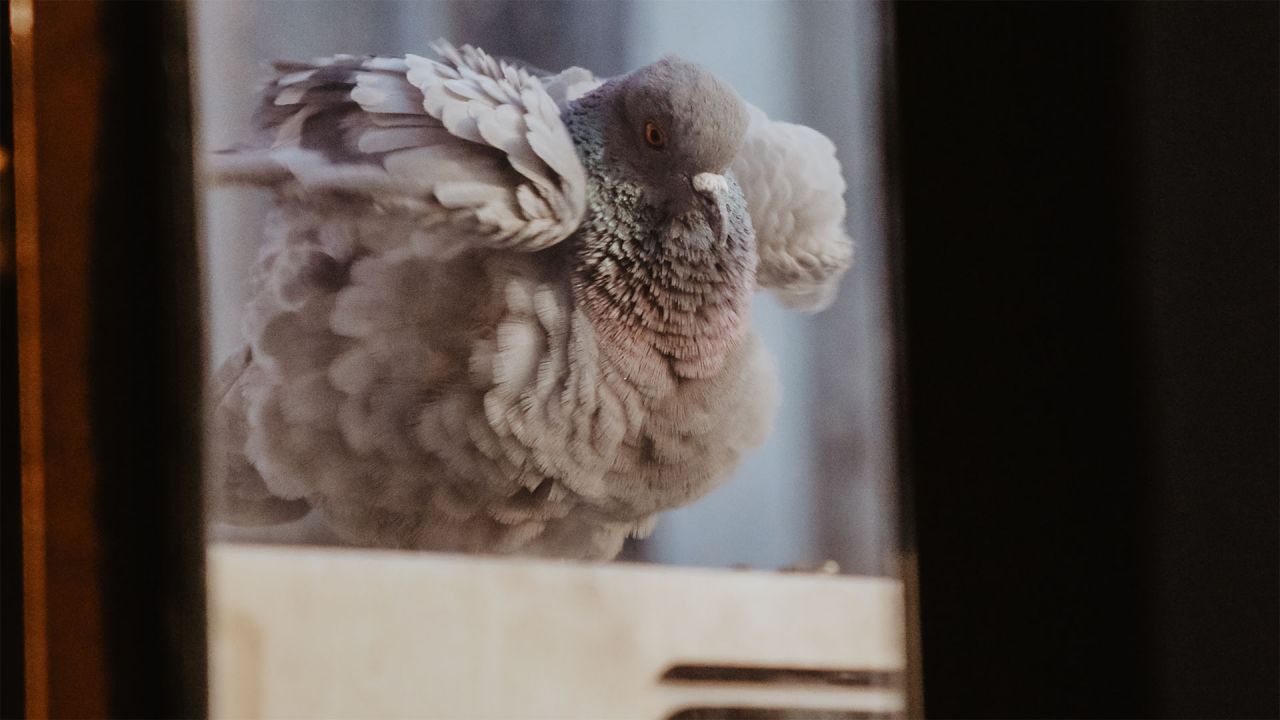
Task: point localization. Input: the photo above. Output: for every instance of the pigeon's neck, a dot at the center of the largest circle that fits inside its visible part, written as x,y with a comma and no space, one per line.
661,293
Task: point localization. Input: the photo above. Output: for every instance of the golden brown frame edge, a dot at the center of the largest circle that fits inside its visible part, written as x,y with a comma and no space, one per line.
57,83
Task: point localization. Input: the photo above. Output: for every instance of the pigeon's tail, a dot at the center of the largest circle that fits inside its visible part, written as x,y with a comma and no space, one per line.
236,491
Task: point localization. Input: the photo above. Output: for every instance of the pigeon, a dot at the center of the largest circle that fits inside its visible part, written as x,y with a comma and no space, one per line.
499,310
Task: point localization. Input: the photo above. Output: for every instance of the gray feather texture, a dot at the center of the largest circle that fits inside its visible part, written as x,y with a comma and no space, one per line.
510,313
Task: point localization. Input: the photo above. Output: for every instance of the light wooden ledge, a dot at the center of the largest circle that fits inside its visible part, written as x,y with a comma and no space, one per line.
336,633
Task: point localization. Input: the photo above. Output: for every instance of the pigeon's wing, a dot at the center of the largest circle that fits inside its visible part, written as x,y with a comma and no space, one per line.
471,148
795,196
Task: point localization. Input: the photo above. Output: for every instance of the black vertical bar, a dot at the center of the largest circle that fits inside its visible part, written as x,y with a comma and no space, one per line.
1205,168
1020,422
12,698
1089,270
146,350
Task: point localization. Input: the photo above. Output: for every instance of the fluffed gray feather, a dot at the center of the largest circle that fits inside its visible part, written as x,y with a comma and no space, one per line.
505,312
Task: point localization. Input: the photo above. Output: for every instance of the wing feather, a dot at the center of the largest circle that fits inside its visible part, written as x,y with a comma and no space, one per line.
795,195
474,143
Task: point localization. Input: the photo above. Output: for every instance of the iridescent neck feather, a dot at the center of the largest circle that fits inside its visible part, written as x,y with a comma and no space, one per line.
655,288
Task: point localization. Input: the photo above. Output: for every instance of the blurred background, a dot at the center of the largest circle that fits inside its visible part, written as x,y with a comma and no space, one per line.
822,487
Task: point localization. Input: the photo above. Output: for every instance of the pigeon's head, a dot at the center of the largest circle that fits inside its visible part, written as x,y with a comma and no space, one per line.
673,122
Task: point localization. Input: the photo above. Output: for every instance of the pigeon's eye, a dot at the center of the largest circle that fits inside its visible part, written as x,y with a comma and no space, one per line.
654,135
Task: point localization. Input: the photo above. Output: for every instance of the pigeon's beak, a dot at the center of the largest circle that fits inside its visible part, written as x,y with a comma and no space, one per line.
713,190
712,184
